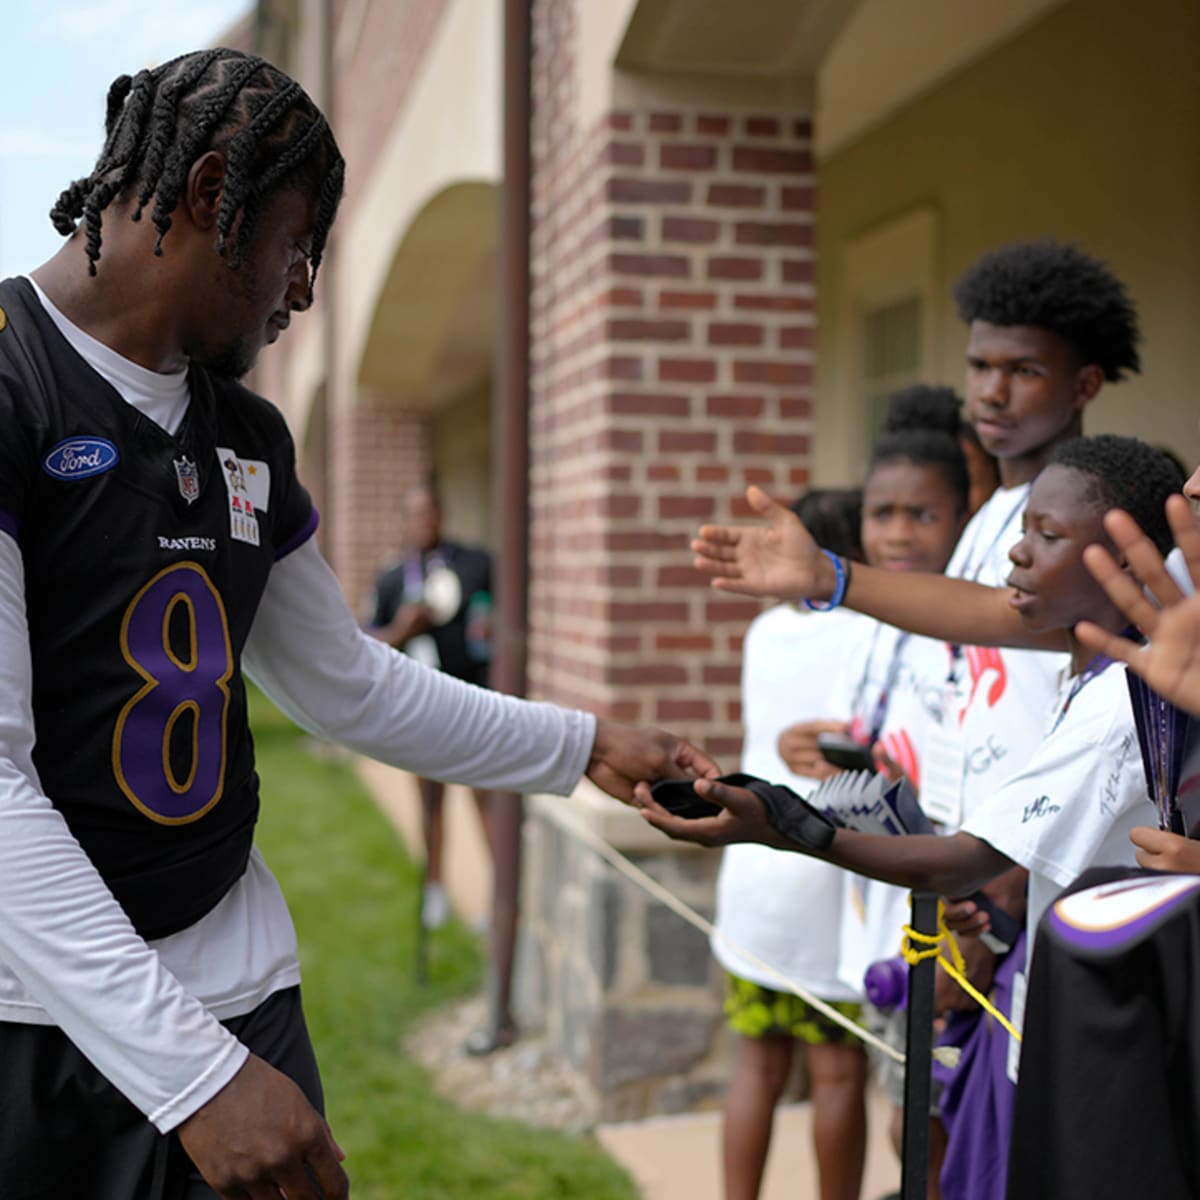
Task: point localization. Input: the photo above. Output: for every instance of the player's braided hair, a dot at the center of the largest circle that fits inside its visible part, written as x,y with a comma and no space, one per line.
923,425
160,121
1054,285
1123,472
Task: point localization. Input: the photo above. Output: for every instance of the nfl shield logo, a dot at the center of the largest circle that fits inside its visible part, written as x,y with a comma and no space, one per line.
189,479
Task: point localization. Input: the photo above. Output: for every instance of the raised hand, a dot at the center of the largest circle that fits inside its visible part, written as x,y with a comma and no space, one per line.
260,1137
1162,851
779,558
1170,664
622,755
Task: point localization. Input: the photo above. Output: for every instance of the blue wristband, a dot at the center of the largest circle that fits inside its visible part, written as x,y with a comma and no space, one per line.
842,572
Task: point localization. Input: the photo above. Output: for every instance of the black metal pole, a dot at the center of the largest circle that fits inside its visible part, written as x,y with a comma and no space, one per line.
914,1172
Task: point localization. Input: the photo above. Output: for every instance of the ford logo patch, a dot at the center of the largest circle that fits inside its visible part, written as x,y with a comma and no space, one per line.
77,458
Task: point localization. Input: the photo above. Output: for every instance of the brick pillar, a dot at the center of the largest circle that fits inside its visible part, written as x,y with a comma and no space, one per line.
674,315
376,452
672,358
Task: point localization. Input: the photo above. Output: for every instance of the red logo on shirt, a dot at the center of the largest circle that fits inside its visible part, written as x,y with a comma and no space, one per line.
985,663
899,749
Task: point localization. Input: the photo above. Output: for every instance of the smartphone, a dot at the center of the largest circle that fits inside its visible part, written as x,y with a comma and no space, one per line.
845,752
679,798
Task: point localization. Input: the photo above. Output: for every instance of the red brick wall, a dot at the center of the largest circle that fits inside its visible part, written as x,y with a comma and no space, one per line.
674,316
376,452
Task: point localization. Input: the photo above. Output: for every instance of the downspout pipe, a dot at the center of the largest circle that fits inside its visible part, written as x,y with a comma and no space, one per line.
510,498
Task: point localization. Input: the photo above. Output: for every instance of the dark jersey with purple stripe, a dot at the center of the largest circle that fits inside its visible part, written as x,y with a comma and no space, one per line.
1108,1102
145,558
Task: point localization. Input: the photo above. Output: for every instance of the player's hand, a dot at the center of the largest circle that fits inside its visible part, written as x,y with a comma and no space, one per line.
1162,851
624,754
797,746
259,1138
777,559
1170,664
744,818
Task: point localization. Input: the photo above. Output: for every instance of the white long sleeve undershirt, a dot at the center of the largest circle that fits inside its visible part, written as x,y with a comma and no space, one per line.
147,1014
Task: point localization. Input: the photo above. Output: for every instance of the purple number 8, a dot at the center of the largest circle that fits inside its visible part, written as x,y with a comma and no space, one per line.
195,683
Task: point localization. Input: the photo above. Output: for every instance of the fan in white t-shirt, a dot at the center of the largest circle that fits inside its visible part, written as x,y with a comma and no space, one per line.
1084,788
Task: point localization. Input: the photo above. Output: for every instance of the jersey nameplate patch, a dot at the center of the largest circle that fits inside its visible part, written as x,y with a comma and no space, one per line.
248,486
81,458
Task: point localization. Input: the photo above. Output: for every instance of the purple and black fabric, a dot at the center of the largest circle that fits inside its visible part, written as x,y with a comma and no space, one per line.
1108,1104
139,600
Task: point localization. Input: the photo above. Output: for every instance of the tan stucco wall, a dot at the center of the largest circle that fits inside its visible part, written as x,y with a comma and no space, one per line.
462,464
1086,127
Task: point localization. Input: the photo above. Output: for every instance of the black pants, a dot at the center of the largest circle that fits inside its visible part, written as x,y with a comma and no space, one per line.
67,1134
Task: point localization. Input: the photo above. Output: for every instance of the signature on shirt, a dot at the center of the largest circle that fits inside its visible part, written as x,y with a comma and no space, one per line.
1041,807
1110,794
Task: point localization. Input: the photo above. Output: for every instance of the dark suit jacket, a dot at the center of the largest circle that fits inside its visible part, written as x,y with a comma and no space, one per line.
473,567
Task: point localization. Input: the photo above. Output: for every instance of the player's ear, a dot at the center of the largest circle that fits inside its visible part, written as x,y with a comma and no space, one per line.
204,188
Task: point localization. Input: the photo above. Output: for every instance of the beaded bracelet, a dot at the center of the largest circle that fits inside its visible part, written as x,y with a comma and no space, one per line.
841,569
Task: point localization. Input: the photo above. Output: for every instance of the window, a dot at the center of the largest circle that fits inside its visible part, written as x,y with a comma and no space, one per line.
891,341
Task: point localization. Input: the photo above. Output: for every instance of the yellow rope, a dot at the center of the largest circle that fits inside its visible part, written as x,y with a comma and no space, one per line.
653,888
955,966
912,954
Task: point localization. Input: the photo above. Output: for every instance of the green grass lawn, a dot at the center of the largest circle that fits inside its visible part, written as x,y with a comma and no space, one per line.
352,891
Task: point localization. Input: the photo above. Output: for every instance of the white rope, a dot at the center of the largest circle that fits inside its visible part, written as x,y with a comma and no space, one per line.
622,864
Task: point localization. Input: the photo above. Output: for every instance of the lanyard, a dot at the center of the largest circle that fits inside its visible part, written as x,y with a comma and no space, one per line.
881,701
1097,666
417,567
972,569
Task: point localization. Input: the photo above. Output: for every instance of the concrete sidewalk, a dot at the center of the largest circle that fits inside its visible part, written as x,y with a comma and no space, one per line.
679,1158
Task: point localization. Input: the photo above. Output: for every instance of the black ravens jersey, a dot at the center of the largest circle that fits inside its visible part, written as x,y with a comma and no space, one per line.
145,557
1108,1102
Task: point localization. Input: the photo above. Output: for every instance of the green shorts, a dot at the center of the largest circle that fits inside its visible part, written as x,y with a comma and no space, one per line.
755,1011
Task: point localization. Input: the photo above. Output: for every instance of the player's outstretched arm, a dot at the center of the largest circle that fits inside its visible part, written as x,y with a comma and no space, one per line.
624,755
1170,663
259,1136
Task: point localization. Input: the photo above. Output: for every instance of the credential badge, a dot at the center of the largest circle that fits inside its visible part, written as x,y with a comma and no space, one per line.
248,486
188,477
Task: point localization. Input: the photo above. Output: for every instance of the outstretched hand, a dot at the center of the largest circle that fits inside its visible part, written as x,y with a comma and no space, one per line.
624,754
743,819
260,1137
1170,664
777,559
